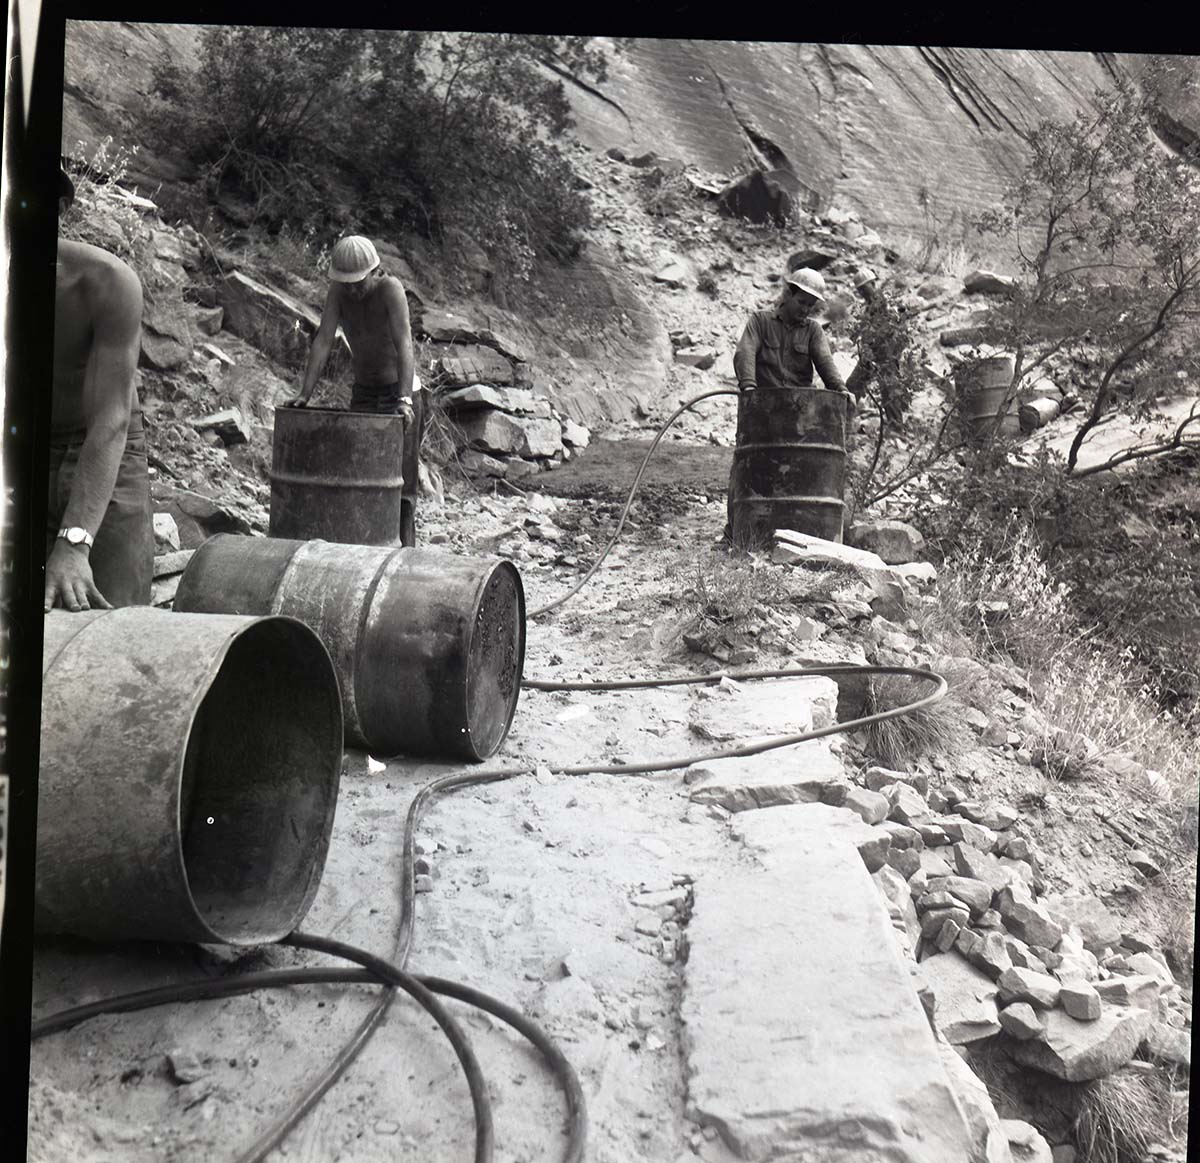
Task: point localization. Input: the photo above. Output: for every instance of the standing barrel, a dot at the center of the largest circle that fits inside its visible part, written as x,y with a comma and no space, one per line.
789,464
982,386
428,646
337,476
189,775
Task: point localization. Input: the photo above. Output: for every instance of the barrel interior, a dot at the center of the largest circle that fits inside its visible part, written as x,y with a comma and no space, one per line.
495,660
259,784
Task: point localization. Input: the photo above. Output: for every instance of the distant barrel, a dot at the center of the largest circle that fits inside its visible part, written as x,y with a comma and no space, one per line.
1036,413
789,464
337,476
982,386
428,646
189,774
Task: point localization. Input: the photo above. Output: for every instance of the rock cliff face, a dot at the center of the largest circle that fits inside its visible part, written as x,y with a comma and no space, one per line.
913,138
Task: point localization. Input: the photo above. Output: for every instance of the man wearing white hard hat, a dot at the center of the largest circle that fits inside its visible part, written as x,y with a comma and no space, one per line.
781,347
372,309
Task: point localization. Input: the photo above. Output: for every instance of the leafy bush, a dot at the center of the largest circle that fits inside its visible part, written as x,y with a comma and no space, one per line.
452,135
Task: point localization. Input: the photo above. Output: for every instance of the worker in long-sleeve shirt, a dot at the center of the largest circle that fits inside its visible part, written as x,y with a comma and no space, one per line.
780,347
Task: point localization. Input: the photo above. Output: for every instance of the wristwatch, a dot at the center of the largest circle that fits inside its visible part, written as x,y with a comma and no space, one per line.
77,535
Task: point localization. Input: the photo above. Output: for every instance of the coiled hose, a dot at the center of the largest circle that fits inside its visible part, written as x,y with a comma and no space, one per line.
391,974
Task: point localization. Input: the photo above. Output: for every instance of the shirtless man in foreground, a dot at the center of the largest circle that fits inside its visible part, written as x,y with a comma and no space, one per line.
99,530
373,310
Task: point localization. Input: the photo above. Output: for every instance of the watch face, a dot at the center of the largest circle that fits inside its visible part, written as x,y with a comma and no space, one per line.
76,536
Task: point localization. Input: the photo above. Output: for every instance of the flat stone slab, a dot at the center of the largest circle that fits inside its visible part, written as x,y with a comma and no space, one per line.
775,833
1080,1051
966,998
743,713
799,774
804,1037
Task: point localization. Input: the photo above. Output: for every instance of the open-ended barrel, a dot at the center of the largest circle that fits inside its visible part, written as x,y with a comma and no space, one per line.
789,464
189,775
337,476
428,646
982,387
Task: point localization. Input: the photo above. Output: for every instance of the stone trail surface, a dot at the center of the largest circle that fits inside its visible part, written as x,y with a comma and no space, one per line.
804,1036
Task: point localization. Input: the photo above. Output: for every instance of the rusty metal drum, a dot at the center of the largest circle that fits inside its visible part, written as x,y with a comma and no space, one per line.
789,464
337,476
429,646
982,386
189,775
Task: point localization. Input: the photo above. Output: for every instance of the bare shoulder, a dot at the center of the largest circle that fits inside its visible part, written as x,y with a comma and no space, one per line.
111,288
392,290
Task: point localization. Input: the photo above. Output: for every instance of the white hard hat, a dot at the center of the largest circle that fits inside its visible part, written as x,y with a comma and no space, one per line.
864,276
808,280
353,258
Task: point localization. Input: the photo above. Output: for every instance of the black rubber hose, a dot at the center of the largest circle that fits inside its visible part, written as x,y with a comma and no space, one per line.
209,989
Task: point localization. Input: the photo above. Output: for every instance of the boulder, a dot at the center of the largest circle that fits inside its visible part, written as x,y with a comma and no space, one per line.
1038,989
877,778
1025,918
869,805
674,272
959,829
933,920
988,283
1080,1000
983,866
575,435
516,401
902,835
773,196
1020,1021
498,432
480,464
1135,991
1098,928
986,951
166,533
208,320
966,1000
991,1145
1164,1043
887,587
474,365
229,424
196,516
896,542
1150,966
811,258
976,895
1081,1051
271,320
1025,1142
907,806
697,357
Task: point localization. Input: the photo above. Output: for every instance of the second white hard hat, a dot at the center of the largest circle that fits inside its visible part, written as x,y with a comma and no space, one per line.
353,258
808,280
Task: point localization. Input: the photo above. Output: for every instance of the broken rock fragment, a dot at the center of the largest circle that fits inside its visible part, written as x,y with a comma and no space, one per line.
1080,1000
1038,989
966,999
1080,1051
1021,1021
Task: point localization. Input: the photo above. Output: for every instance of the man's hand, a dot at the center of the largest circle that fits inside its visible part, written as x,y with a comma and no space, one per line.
299,400
406,410
746,387
69,581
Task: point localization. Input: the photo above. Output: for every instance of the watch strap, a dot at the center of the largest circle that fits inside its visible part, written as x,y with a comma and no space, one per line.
87,539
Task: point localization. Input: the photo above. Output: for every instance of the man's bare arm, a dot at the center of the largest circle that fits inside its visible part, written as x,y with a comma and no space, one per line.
322,345
401,329
115,302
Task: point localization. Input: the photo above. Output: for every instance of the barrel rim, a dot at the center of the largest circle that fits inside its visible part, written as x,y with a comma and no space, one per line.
500,565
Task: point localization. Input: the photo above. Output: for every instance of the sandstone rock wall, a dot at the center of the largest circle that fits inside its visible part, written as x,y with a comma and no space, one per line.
912,137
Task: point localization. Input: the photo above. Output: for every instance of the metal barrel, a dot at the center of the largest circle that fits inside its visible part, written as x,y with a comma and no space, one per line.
1036,413
189,775
982,386
337,476
789,464
428,646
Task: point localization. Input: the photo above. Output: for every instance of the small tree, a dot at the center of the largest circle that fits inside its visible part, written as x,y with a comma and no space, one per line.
1105,224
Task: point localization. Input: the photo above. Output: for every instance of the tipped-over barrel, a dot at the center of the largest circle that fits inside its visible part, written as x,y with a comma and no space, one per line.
789,464
428,646
189,775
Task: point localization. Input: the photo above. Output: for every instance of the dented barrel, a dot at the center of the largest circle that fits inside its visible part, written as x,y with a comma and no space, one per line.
189,775
428,646
789,464
337,476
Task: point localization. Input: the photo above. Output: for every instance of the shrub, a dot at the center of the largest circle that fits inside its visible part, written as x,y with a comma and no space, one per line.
455,136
